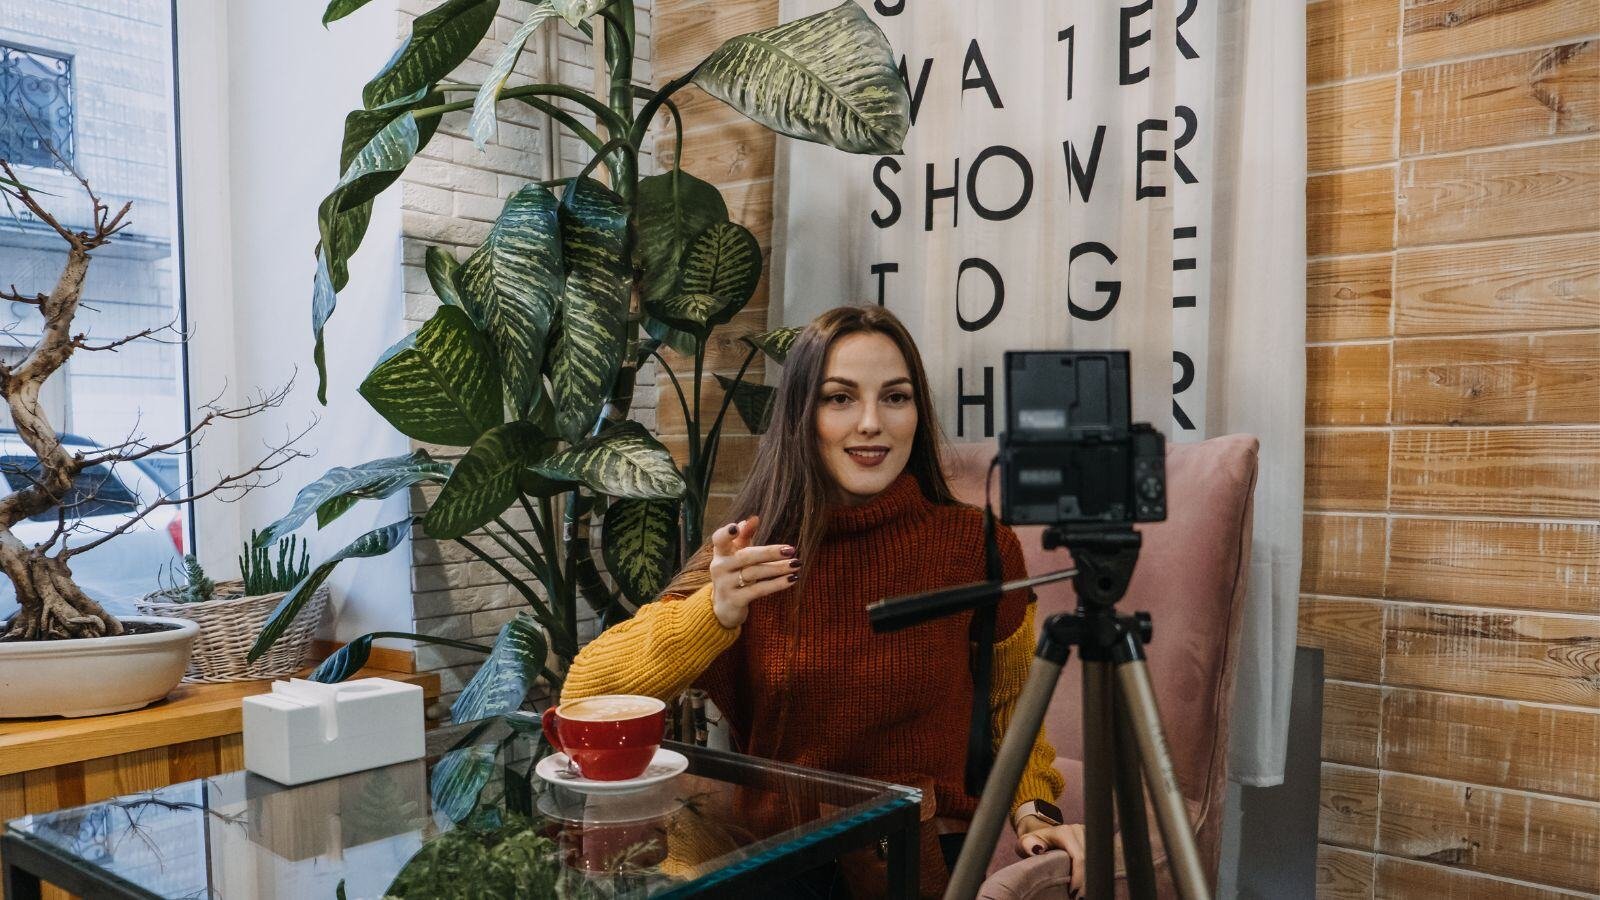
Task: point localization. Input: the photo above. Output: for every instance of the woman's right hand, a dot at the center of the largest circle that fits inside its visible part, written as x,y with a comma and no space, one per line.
742,574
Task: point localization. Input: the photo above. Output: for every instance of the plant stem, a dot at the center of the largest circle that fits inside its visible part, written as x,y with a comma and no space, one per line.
541,612
694,522
565,118
677,124
602,112
641,123
683,402
714,437
445,642
533,552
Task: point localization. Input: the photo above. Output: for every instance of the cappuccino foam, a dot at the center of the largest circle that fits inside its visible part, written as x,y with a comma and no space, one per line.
609,709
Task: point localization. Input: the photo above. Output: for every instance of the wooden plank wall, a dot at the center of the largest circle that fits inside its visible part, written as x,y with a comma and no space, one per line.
726,149
1452,540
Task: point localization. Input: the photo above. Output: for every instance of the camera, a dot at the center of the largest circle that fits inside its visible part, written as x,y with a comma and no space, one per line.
1070,454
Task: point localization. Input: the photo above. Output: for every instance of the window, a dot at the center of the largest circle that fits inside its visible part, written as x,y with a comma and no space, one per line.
95,81
35,106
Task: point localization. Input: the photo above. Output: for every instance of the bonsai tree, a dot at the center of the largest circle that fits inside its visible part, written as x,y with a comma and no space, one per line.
530,362
52,605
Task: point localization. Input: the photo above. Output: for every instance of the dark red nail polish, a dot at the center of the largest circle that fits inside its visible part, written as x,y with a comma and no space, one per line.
794,564
733,529
787,551
1036,850
794,577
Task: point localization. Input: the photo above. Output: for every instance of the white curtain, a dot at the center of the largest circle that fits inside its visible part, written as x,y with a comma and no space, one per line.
1093,175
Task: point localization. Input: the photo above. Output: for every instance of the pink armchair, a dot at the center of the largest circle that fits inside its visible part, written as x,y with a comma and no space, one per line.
1191,578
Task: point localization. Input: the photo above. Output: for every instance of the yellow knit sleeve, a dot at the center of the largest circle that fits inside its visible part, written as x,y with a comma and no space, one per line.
659,652
1012,658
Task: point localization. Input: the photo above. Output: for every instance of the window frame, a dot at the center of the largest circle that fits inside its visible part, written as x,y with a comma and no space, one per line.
72,98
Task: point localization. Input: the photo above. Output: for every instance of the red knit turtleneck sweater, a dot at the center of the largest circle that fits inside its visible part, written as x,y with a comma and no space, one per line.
810,682
806,680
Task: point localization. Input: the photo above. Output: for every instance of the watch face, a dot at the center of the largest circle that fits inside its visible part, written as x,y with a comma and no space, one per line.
1048,811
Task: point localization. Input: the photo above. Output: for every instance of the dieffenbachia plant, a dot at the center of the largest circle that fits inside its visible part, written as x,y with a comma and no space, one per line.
530,361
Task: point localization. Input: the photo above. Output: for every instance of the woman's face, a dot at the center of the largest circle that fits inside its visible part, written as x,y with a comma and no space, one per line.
866,415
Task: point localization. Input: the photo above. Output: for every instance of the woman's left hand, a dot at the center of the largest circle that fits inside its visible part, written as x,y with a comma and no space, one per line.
1041,837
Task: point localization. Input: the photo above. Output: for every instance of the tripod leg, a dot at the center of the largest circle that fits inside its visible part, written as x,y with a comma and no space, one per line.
995,806
1133,681
1099,773
1136,850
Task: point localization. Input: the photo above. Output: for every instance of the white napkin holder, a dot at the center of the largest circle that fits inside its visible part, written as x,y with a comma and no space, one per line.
305,730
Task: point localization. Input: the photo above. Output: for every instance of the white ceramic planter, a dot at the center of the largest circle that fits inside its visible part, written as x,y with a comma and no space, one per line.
92,676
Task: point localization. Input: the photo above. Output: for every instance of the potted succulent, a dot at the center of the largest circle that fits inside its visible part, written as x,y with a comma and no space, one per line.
230,614
63,653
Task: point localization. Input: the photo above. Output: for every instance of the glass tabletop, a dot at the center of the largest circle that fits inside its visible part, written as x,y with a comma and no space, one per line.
476,822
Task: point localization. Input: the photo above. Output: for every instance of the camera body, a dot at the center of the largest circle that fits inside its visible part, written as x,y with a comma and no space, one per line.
1070,454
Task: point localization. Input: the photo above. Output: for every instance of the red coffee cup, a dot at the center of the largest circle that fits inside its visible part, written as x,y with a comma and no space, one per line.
612,737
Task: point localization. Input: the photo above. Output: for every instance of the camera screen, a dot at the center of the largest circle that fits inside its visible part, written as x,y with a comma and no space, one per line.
1071,455
1053,394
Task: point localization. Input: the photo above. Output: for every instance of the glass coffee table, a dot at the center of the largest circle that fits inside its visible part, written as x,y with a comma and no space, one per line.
479,823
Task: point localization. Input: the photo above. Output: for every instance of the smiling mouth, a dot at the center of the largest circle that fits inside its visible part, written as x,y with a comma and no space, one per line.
869,455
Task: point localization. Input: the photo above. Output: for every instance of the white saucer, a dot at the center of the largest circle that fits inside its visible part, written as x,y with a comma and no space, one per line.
666,764
608,809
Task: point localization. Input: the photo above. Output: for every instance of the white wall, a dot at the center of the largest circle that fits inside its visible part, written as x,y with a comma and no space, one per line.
264,91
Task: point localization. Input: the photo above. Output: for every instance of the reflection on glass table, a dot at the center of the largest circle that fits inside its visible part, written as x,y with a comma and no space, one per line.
477,822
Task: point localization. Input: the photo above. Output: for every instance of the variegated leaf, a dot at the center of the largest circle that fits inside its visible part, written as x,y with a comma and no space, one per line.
338,9
753,402
438,384
575,11
481,128
679,341
442,267
641,545
671,208
376,542
342,223
828,78
439,40
510,286
775,343
502,683
725,262
341,235
484,482
349,659
369,480
588,349
380,160
688,312
454,785
625,460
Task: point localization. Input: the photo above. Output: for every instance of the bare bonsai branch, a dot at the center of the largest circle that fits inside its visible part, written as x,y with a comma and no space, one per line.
232,487
80,340
139,448
52,605
16,296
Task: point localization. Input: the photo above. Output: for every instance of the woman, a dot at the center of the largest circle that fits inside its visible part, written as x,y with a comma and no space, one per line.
846,504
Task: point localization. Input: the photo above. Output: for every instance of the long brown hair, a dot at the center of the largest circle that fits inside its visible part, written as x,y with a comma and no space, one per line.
789,485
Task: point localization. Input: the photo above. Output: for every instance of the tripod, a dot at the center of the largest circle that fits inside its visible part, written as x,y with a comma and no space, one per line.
1123,741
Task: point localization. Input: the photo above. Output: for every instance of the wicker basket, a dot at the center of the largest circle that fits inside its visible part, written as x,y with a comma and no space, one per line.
229,627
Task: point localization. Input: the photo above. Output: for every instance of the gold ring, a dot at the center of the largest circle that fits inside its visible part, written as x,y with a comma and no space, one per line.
741,578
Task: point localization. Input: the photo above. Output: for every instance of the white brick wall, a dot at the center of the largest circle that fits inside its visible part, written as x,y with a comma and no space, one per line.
449,198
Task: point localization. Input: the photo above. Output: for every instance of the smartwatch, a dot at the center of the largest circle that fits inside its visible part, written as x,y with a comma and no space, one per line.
1044,809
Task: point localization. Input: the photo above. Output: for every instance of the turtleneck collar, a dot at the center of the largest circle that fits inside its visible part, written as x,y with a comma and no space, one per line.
901,498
